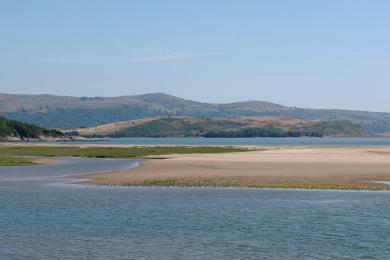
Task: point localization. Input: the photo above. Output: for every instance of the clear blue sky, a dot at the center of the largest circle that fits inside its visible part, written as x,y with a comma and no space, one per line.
314,53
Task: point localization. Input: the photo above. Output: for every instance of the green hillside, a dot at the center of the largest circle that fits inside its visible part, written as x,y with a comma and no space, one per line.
75,112
328,128
11,129
184,127
226,127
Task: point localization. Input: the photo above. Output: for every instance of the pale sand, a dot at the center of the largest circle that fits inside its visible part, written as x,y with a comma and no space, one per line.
319,165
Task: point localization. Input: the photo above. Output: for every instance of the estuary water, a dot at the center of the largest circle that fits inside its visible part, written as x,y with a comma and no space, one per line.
44,217
63,169
239,141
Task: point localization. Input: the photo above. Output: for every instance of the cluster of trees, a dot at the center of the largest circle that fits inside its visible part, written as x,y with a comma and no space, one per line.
261,132
12,128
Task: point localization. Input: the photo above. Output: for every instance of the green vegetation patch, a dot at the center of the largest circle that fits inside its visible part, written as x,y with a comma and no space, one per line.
12,128
380,152
113,152
268,131
320,129
15,161
183,127
261,183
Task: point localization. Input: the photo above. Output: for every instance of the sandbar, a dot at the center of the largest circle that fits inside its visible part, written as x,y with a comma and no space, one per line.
291,167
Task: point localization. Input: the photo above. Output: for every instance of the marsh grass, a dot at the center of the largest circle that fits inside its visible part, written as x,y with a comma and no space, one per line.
15,161
250,182
112,152
380,152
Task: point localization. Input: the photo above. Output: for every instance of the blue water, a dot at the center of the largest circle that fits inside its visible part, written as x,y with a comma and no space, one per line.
45,218
65,167
241,141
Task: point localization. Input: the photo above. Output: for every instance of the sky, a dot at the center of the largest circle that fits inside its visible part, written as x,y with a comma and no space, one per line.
304,53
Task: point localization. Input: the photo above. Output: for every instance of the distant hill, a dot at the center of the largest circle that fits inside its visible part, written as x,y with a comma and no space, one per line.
15,130
185,126
74,112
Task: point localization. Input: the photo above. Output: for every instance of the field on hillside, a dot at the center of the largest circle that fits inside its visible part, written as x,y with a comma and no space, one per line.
237,126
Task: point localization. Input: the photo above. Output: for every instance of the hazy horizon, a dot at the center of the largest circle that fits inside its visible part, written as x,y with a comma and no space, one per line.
322,54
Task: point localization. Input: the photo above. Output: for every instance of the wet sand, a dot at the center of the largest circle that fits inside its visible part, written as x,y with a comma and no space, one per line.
349,168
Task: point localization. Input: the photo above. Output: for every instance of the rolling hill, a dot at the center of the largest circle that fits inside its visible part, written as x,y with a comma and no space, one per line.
15,130
237,126
74,112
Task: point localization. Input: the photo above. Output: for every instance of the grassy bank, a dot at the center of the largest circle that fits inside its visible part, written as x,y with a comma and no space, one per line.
111,152
15,161
253,182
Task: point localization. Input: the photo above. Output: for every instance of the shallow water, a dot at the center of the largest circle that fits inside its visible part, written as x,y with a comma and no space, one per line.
241,141
65,167
42,215
48,219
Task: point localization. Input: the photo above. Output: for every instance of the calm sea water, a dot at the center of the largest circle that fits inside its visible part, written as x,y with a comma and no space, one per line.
41,217
242,141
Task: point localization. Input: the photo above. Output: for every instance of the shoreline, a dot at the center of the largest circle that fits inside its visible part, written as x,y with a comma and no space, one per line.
296,168
13,161
90,184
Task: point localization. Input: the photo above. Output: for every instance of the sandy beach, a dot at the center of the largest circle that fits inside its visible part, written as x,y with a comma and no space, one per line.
353,168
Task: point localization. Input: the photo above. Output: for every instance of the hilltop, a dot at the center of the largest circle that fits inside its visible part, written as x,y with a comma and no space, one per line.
260,126
75,112
15,130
